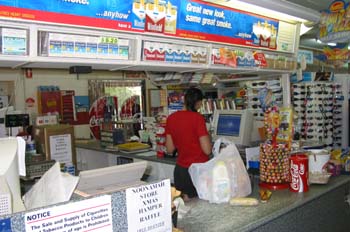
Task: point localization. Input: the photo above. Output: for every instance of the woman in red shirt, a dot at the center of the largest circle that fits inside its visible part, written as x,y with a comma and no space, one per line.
187,133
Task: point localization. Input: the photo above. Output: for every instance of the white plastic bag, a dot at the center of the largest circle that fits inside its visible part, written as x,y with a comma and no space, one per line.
217,183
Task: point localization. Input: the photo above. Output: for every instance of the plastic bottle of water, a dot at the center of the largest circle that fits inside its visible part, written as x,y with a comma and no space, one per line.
221,183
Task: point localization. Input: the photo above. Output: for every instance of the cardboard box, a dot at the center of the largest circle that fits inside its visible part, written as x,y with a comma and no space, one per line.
56,142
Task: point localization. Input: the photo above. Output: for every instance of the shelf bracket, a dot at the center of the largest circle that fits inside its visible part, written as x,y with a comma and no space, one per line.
20,65
121,68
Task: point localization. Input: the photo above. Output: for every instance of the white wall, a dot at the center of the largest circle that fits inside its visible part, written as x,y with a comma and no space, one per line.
13,76
27,87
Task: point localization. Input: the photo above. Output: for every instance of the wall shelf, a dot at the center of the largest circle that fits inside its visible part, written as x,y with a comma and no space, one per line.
13,61
66,62
39,38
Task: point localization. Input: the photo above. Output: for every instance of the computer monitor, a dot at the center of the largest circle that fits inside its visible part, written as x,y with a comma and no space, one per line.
16,120
235,125
10,191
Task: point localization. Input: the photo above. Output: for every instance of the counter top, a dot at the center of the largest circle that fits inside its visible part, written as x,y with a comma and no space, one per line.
204,216
148,155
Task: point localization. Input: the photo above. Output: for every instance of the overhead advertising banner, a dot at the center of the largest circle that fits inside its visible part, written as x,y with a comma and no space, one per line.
191,19
335,23
209,22
337,55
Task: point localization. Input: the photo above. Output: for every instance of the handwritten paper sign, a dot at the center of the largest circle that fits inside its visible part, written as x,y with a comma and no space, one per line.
61,148
88,215
149,207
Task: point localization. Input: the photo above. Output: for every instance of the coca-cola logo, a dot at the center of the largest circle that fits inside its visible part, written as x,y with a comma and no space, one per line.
294,171
302,169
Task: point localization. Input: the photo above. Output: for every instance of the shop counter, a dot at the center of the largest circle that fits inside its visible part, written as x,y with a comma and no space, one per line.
92,156
150,156
322,208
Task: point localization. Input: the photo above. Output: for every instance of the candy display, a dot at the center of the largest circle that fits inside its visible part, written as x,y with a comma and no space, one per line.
274,153
272,123
285,128
274,163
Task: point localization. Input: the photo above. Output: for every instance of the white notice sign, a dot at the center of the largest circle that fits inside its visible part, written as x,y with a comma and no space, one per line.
61,148
88,215
149,207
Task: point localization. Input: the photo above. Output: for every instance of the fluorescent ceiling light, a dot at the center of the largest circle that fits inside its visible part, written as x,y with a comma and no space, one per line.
278,9
304,29
331,44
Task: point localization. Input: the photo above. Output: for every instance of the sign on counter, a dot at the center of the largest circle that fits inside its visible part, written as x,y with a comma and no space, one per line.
149,207
88,215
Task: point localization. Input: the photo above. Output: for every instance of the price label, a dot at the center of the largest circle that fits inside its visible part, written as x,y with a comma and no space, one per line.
109,40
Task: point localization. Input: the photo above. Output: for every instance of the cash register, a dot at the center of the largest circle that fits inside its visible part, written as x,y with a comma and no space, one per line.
110,179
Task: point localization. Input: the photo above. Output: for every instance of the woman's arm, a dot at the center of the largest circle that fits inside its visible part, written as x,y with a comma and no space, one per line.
205,144
169,144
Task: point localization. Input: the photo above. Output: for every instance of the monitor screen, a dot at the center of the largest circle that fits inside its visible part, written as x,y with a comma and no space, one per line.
234,125
228,124
16,120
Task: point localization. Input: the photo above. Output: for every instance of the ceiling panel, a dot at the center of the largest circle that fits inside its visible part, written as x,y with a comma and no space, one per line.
312,4
309,39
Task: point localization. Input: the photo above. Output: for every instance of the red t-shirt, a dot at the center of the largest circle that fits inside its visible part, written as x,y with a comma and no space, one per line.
185,128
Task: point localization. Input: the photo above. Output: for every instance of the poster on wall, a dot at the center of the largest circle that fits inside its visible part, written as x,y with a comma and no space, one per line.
190,19
99,111
175,100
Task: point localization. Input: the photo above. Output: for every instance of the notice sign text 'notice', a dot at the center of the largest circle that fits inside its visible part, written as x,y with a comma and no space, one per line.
88,215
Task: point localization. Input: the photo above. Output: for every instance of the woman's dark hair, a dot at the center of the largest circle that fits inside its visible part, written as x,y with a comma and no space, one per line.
192,96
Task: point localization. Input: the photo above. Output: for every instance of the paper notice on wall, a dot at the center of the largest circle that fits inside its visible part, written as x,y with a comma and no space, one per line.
286,37
149,207
88,215
61,148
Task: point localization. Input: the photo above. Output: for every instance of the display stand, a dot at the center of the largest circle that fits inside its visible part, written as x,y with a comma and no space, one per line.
274,166
273,186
